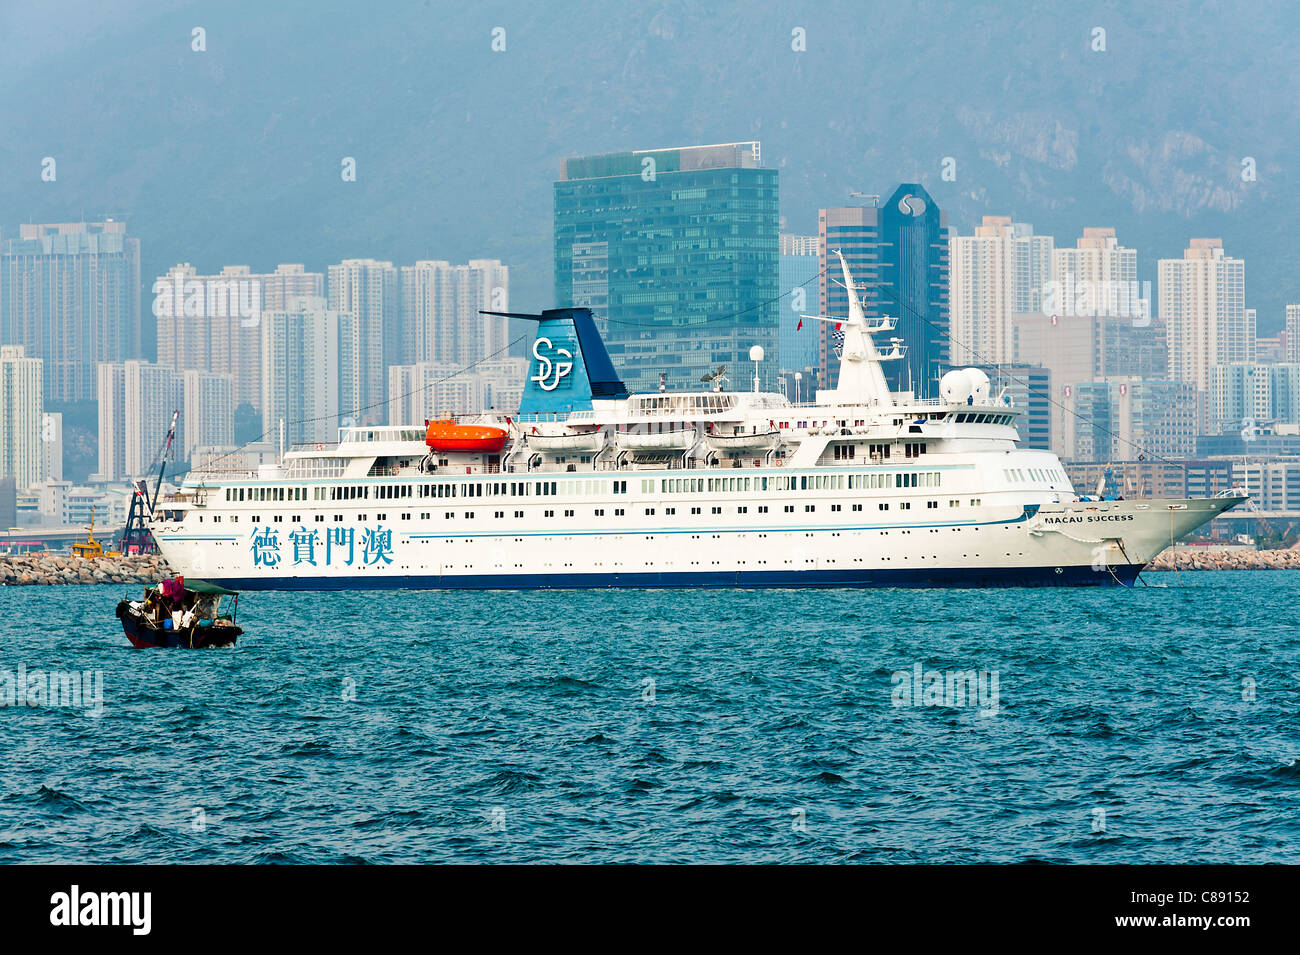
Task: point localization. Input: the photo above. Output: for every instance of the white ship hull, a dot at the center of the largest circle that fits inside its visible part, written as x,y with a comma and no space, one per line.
860,488
994,543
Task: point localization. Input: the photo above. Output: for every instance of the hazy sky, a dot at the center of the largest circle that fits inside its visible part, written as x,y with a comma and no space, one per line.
231,155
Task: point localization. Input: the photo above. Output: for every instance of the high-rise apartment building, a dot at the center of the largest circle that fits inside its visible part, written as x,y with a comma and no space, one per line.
208,415
1293,333
1123,419
21,414
428,390
675,251
999,271
136,403
70,294
1096,277
1083,348
1202,301
300,371
52,446
212,322
365,292
1246,395
441,318
1270,349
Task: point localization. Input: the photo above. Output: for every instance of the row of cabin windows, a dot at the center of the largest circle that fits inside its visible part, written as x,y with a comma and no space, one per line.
844,423
895,479
383,492
597,512
802,482
1034,474
970,418
266,494
847,452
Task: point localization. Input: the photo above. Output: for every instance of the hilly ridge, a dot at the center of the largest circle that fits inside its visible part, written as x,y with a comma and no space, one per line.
232,155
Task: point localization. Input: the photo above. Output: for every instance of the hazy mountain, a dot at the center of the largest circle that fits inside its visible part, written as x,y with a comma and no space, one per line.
233,155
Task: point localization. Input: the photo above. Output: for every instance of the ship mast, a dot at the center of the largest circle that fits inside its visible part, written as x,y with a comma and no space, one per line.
861,379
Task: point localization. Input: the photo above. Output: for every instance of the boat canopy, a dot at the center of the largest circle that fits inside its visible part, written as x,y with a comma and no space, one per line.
203,587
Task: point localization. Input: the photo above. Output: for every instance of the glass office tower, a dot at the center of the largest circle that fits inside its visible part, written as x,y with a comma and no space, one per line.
675,252
899,252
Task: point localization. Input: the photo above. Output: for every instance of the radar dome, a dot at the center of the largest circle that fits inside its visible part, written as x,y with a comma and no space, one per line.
979,384
955,386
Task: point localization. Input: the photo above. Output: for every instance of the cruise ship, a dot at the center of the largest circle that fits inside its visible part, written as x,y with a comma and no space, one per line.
590,486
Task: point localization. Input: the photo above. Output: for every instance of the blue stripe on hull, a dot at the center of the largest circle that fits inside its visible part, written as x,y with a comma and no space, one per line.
918,577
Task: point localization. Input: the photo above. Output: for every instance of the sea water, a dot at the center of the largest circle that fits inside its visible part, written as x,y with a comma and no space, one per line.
1153,724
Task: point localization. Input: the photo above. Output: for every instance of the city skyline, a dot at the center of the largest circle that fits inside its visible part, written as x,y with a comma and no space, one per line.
1098,257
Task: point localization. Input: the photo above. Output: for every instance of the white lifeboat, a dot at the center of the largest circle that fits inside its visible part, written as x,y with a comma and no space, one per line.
682,439
762,441
567,441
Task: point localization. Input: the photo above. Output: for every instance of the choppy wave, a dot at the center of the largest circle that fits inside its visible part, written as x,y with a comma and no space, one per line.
1148,725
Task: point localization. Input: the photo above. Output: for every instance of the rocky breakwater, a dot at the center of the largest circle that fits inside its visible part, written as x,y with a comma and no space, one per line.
45,568
1236,558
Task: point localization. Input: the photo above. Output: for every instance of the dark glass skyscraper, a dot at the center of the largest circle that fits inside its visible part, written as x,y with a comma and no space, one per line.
899,252
675,252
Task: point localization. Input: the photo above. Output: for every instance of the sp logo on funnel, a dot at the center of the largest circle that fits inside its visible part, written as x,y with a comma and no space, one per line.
550,372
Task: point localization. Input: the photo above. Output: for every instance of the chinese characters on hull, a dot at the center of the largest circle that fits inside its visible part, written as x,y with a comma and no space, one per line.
334,547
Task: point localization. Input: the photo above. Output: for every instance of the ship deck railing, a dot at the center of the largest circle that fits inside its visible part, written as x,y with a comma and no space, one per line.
314,446
224,474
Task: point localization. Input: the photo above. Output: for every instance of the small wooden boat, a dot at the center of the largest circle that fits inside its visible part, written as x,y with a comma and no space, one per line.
176,614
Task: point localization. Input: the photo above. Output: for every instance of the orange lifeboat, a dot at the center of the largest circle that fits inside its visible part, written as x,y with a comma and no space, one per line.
450,436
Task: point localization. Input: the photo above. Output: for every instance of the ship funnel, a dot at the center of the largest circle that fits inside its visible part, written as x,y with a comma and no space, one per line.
568,365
